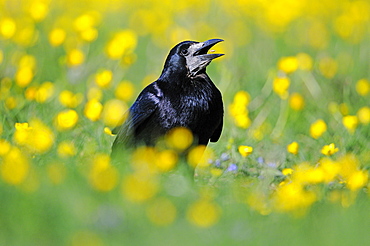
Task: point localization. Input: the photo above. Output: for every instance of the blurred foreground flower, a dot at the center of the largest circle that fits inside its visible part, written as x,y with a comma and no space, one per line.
124,90
69,99
14,167
104,78
329,149
37,137
204,213
66,149
318,128
75,57
363,115
179,138
103,176
161,212
296,101
114,112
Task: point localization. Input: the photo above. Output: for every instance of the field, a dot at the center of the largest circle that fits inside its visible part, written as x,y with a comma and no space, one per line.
291,166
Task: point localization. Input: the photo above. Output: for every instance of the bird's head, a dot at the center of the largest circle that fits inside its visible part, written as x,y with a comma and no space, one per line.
191,57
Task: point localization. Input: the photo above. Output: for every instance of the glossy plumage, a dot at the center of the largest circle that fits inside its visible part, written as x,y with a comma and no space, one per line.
183,95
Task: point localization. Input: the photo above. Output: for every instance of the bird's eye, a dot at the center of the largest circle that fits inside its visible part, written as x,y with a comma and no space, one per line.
184,52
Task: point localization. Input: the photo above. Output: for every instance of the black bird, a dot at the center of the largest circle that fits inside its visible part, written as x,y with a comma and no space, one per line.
183,96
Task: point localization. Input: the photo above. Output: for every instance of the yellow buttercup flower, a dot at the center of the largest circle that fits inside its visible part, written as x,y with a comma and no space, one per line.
166,160
363,115
114,112
293,148
179,138
5,146
75,57
304,61
93,109
57,36
281,86
103,176
69,99
245,150
124,90
288,64
104,78
66,119
329,149
38,10
363,87
204,213
139,188
8,28
296,101
15,167
350,122
123,42
44,92
318,128
24,76
66,149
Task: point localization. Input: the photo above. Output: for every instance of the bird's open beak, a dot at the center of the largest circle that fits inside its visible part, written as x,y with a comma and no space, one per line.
205,47
198,59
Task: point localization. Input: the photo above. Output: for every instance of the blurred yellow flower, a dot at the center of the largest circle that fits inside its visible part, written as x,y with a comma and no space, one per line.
114,112
108,131
38,10
363,87
203,213
124,90
93,109
56,173
200,156
57,36
293,148
281,86
242,121
30,93
1,56
75,57
318,128
44,92
103,176
245,150
239,111
166,160
242,98
296,101
8,27
24,76
69,99
329,149
161,212
179,138
293,197
139,188
66,149
66,119
363,115
89,35
5,146
330,169
343,109
288,64
104,78
305,61
328,67
350,122
15,167
122,43
357,180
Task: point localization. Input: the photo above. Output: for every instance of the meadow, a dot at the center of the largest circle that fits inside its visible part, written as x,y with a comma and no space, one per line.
291,166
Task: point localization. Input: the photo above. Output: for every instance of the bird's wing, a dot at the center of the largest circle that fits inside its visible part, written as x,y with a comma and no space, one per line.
141,110
217,133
